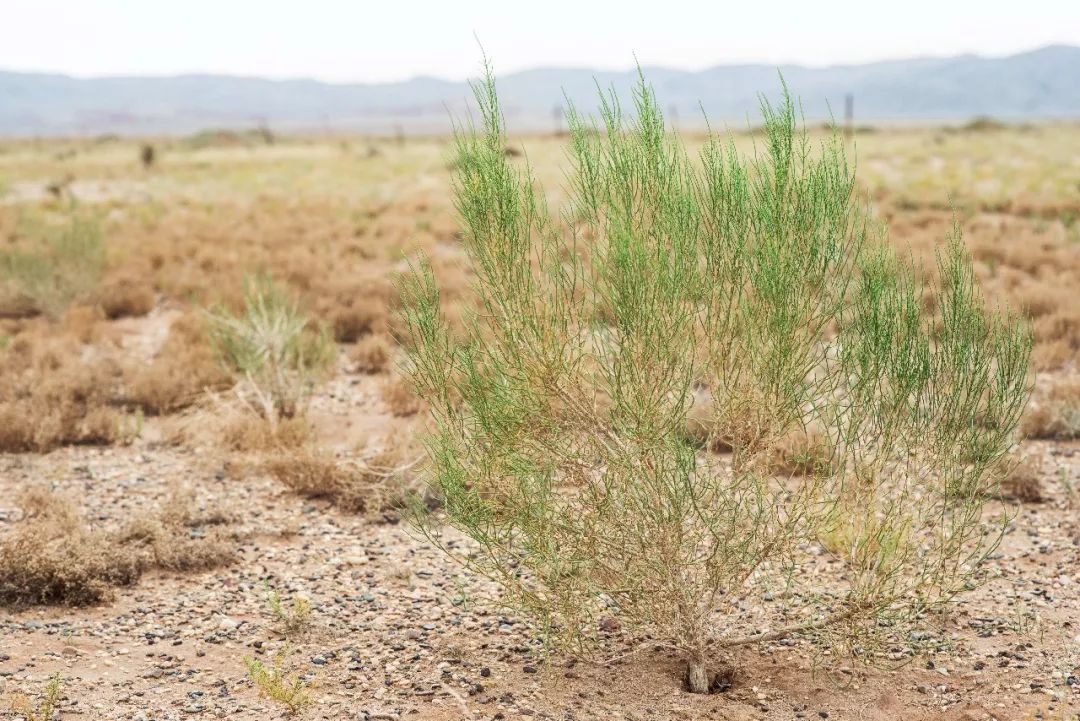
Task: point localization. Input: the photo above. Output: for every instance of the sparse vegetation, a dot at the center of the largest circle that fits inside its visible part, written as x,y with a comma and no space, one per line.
759,288
371,355
351,323
182,370
399,397
1055,413
120,394
53,267
248,433
380,481
1024,481
273,682
54,557
982,124
46,709
293,617
272,350
56,391
316,476
225,138
126,298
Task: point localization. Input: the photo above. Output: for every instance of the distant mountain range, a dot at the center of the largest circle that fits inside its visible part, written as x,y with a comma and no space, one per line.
1041,84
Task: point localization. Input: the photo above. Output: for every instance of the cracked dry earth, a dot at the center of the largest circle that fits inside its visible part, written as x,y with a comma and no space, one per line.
395,632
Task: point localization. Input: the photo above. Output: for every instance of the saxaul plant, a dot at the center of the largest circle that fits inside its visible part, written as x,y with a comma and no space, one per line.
753,294
271,349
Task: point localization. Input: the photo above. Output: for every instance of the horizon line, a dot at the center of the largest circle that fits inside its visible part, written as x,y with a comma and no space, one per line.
552,67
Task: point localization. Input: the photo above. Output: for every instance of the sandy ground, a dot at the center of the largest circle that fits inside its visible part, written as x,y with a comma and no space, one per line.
396,634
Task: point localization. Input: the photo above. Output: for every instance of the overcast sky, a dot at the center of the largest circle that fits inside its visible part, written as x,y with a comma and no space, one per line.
384,40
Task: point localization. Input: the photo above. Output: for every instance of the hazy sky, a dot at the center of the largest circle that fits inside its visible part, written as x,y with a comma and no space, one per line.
397,39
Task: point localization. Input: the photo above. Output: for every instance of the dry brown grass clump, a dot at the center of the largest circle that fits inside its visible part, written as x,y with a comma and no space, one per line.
399,398
248,433
351,323
357,308
371,355
703,430
83,323
126,298
381,481
1055,412
805,453
1024,482
1051,355
56,391
399,482
220,422
203,250
314,476
179,538
1055,317
53,557
182,370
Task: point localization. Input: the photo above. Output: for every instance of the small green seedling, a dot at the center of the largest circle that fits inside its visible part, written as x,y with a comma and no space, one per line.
293,618
276,684
46,709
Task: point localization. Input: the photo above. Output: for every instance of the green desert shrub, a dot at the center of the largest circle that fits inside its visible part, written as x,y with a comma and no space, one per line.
52,267
22,707
272,349
275,683
753,294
